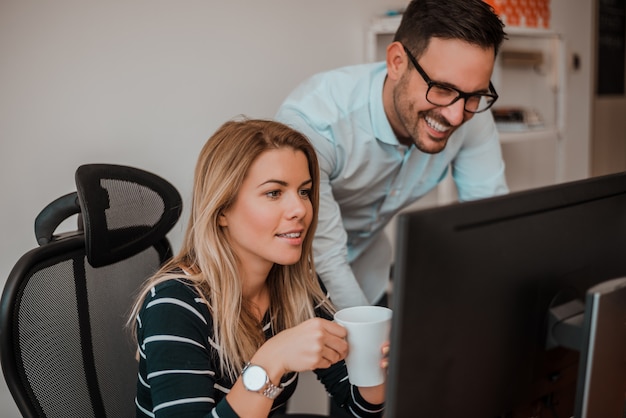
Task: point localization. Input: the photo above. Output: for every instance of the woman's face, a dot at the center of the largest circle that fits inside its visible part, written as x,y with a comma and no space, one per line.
272,211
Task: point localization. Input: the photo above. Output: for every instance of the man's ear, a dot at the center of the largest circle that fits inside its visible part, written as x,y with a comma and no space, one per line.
396,60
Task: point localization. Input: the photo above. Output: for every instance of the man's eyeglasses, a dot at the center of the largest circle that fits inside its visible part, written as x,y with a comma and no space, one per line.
441,95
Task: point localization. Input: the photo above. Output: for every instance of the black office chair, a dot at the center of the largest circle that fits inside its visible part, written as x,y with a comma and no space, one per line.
64,349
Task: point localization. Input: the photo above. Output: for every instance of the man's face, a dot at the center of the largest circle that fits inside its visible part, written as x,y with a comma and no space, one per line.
450,62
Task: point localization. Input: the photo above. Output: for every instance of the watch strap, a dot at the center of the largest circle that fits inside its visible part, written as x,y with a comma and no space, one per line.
271,391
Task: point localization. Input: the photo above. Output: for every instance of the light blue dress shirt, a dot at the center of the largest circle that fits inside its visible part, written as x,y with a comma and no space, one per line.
367,176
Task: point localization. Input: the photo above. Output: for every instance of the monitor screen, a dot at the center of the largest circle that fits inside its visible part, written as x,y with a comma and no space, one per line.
473,285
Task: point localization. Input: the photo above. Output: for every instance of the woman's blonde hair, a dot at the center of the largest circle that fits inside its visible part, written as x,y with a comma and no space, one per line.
208,259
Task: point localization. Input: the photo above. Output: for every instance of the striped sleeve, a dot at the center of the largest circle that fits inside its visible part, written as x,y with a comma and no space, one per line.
176,370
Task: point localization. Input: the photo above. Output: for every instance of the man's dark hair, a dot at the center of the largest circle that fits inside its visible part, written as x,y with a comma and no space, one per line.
473,21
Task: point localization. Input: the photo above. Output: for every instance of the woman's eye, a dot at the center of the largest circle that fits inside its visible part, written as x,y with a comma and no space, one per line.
273,194
305,193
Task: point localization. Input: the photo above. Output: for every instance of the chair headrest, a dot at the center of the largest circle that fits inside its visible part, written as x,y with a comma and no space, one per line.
124,210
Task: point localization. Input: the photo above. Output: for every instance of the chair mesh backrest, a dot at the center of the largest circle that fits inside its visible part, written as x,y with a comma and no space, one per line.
70,353
56,356
48,341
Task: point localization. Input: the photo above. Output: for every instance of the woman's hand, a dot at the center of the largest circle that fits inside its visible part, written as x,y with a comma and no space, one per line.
384,363
316,343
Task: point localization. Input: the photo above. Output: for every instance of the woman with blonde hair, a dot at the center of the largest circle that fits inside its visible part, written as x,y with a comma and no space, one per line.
226,325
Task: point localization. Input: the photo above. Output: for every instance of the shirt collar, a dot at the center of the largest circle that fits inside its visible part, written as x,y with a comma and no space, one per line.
380,123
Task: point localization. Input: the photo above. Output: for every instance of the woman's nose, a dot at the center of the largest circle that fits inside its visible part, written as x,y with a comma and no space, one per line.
296,206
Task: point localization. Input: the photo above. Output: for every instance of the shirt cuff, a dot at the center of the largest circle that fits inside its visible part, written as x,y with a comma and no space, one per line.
223,410
363,405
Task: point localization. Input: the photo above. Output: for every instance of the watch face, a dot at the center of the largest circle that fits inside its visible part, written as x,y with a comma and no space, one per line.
254,378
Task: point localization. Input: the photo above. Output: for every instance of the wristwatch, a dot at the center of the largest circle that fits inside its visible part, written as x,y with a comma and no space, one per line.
255,379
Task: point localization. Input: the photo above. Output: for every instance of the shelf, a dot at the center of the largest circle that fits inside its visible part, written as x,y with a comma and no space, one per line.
528,135
531,32
388,25
385,25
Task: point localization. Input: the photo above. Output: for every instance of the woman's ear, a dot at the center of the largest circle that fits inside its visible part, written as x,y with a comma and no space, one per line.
396,60
221,220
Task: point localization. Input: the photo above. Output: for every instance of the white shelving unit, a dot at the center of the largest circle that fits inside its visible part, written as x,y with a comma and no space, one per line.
534,157
379,35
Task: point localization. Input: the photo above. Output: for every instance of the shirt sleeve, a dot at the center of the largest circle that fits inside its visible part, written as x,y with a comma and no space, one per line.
177,366
478,168
330,244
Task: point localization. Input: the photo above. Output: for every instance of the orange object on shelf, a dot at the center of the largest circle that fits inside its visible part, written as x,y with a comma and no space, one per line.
494,4
523,13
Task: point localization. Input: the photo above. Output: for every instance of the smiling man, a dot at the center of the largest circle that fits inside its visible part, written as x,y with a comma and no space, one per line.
387,133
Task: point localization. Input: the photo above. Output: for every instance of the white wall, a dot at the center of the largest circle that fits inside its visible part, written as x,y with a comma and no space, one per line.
146,82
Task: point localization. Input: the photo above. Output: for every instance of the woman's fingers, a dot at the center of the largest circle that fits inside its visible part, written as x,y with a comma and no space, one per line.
384,363
316,343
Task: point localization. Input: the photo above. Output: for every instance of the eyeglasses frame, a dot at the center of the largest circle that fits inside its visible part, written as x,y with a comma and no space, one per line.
461,94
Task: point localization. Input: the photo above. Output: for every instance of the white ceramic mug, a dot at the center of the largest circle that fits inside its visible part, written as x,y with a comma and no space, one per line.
368,329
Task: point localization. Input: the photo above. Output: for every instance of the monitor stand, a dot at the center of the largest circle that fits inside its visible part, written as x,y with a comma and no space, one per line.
601,386
597,329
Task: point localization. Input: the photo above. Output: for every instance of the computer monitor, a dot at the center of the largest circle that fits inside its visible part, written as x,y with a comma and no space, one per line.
476,287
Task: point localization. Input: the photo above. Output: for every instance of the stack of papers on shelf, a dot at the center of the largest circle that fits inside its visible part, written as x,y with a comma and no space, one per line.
517,119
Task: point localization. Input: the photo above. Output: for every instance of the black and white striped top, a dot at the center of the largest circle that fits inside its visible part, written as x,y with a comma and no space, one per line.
179,367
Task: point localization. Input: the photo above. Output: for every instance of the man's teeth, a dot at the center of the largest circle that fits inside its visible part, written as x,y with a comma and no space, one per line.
291,235
435,125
